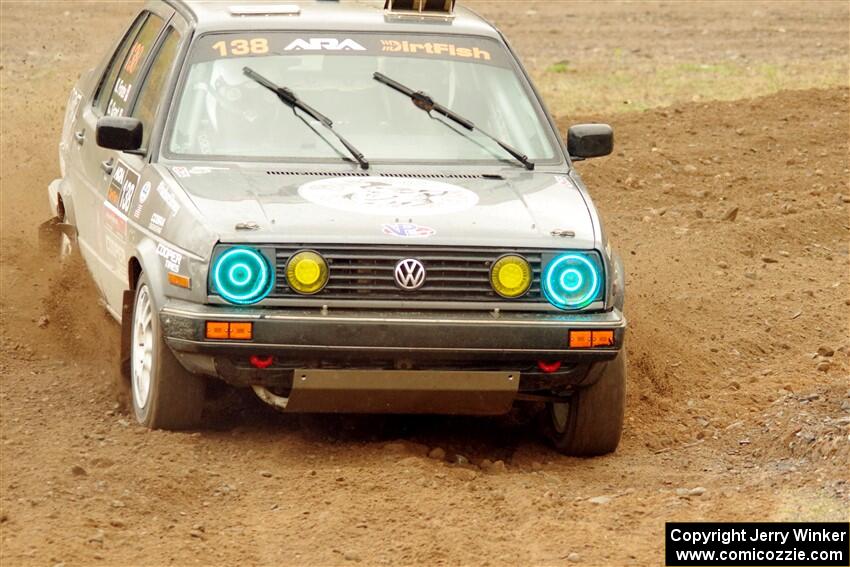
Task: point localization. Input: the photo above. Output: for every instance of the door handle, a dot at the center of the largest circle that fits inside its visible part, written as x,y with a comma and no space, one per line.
108,165
80,136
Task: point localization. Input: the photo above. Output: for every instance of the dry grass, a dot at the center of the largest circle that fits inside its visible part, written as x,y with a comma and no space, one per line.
594,88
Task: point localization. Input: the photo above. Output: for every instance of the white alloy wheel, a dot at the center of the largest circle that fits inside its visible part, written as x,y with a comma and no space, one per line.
142,348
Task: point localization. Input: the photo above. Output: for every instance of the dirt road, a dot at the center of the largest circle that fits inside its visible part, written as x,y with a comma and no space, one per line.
732,218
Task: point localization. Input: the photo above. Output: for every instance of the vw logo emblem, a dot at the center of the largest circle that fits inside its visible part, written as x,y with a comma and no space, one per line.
409,274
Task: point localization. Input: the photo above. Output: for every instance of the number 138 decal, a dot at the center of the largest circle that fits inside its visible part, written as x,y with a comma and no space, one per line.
253,46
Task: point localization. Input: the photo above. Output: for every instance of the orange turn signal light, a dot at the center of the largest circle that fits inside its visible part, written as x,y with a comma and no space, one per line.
591,339
179,281
602,338
229,330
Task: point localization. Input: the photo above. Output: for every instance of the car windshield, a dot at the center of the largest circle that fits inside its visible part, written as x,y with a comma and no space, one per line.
224,114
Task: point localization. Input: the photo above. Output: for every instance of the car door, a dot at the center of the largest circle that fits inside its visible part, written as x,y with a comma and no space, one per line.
112,180
132,177
83,172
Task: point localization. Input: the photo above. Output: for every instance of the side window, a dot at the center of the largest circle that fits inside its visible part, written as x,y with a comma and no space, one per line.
150,94
108,80
132,66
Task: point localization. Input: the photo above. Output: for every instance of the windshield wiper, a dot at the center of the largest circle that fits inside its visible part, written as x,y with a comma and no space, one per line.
424,102
290,99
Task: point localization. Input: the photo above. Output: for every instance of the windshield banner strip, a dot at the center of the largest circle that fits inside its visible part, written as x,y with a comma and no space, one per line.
212,47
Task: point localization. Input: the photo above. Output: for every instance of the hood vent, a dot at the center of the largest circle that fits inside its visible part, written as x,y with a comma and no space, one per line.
403,175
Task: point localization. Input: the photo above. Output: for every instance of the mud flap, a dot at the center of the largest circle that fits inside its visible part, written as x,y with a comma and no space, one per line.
403,391
126,331
50,234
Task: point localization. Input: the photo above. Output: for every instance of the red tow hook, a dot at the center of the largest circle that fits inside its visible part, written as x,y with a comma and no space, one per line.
262,362
549,367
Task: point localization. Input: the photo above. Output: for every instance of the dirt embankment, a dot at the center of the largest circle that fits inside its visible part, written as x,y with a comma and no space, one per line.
732,219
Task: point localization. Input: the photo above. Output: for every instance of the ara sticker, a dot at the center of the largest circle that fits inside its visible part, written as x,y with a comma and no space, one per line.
408,230
171,258
122,186
388,196
324,44
157,223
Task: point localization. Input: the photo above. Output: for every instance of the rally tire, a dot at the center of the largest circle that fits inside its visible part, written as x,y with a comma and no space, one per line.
590,422
164,394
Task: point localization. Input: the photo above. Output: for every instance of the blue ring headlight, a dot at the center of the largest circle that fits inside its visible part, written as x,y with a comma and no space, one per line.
242,275
571,281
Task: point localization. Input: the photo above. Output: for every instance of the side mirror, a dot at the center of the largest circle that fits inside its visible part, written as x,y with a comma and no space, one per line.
590,140
119,133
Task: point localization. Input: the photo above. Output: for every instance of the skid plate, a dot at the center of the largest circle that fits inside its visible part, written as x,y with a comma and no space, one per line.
402,391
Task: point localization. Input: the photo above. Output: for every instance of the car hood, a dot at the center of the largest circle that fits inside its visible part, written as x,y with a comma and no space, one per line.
250,204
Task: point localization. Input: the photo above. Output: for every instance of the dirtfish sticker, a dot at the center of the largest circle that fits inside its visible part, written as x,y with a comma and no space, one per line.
450,49
408,230
171,258
324,44
388,196
168,198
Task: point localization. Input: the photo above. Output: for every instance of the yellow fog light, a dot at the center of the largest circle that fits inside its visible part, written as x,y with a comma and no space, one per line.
307,272
510,276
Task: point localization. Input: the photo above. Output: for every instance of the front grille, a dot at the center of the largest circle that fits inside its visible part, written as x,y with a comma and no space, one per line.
366,272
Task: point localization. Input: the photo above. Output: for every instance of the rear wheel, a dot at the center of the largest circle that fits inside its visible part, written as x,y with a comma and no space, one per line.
164,394
590,422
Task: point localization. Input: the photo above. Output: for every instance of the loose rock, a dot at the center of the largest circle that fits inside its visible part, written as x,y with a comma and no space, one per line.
437,453
731,214
825,351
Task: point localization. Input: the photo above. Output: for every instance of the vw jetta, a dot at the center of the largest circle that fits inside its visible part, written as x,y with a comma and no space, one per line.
348,207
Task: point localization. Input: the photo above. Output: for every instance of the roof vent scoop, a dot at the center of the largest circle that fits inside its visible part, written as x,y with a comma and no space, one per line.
420,7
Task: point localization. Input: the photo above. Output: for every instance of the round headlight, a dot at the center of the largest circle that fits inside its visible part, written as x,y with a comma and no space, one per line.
571,281
242,275
307,272
510,276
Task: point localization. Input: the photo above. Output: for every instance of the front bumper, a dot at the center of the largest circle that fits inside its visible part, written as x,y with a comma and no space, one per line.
408,340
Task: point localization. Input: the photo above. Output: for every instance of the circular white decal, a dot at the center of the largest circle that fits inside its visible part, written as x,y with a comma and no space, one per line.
143,194
388,196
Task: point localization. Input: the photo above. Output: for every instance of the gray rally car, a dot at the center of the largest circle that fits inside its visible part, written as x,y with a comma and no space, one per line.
346,206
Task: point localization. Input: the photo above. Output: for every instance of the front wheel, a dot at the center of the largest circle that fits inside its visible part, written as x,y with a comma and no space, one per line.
590,422
164,394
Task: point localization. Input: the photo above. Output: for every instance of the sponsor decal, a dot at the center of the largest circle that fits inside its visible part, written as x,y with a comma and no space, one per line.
408,230
180,171
114,221
562,180
113,248
122,89
122,186
430,48
199,170
112,109
388,196
171,258
135,58
168,198
144,192
157,223
324,44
